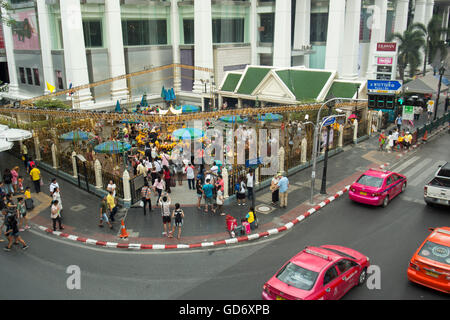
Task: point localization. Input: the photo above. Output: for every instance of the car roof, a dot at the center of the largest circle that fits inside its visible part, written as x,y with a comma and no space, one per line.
444,171
315,258
377,173
440,235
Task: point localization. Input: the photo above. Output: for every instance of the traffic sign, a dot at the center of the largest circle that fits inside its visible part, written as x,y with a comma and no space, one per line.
390,86
329,121
408,113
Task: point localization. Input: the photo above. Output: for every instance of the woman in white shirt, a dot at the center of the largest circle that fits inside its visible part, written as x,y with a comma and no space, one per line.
57,196
112,187
56,215
390,141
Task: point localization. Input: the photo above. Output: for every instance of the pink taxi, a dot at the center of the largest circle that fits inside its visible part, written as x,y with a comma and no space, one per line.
318,273
375,187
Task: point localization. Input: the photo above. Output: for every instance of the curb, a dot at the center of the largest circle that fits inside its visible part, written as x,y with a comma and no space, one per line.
420,142
139,246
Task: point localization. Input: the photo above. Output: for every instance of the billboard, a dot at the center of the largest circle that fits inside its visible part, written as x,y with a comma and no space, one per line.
2,40
25,30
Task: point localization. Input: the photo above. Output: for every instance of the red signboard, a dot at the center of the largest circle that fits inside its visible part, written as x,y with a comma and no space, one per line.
385,60
386,46
2,41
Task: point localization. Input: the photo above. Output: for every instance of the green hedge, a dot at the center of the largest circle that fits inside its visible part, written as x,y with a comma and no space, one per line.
51,104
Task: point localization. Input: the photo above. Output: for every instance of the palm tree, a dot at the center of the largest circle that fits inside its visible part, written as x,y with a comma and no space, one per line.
433,32
6,19
409,45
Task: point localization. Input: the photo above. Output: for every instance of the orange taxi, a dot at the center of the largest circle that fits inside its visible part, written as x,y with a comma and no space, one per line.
430,264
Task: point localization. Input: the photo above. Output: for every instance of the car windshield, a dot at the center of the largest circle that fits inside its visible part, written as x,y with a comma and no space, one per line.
436,252
298,277
370,181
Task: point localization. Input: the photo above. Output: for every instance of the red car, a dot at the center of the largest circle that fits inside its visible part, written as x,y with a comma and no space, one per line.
318,273
430,264
377,187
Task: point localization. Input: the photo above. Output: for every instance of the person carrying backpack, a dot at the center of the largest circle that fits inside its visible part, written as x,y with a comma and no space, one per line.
178,216
12,231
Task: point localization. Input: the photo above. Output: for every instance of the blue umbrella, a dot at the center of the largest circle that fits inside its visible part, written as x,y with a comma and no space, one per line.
172,94
233,119
76,136
187,108
144,102
188,134
270,117
112,147
130,121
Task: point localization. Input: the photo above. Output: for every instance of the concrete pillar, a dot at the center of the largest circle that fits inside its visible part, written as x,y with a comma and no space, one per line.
303,146
74,50
401,16
351,41
335,34
98,174
37,149
13,87
225,182
253,31
239,103
282,39
219,101
126,187
203,51
74,164
420,11
54,156
175,33
445,21
46,46
377,35
369,123
113,31
281,159
355,131
429,11
341,136
302,27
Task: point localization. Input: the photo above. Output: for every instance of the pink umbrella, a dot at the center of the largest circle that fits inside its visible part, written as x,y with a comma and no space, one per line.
352,116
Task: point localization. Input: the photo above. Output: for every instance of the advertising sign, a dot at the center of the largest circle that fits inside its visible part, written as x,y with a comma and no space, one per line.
408,113
25,30
385,60
386,46
386,69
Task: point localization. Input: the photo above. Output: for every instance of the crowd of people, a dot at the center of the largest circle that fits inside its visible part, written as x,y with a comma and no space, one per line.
395,140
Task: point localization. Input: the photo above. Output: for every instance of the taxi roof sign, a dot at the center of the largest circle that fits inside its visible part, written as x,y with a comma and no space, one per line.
317,254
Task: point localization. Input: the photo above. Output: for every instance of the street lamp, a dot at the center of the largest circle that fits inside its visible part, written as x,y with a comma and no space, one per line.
317,127
441,73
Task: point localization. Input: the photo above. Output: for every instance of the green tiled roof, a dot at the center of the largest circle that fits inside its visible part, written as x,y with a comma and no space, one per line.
304,84
343,89
251,79
231,82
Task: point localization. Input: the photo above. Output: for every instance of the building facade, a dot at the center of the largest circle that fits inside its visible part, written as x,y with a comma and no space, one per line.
73,42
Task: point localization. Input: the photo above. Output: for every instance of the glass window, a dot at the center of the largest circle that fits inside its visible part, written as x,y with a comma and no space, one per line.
370,181
389,180
144,32
297,276
92,30
319,26
266,28
36,77
436,252
228,30
22,75
59,79
344,265
188,30
330,275
29,77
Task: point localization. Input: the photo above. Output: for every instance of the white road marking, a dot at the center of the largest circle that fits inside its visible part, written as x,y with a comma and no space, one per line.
426,174
411,172
406,163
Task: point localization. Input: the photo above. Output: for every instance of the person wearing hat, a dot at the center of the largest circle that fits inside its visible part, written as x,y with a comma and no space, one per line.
283,185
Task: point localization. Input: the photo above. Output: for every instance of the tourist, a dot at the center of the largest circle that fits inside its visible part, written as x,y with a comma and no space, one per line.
146,194
111,187
198,187
241,191
219,202
103,215
178,217
15,175
167,177
53,185
179,172
250,183
274,189
56,195
112,205
159,187
208,194
165,213
190,175
283,185
7,181
36,178
56,215
22,211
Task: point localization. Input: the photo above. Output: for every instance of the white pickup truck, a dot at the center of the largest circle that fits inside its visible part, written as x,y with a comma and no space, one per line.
437,191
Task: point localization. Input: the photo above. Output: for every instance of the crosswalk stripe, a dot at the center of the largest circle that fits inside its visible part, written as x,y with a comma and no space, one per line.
411,172
426,174
406,163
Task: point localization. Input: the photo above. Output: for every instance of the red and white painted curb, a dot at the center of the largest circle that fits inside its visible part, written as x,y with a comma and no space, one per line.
255,236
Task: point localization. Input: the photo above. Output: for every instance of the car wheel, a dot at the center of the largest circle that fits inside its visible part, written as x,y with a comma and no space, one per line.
362,277
404,187
385,201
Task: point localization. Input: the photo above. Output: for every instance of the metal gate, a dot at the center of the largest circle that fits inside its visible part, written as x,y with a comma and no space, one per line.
136,185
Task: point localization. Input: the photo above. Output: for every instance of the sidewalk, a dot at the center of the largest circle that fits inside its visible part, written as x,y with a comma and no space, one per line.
81,209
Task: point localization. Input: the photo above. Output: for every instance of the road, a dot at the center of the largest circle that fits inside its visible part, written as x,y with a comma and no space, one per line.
388,236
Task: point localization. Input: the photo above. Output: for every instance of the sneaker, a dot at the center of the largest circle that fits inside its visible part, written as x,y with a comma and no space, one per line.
7,249
25,247
164,233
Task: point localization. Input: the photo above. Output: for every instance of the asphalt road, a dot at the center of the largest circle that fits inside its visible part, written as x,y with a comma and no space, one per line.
388,236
